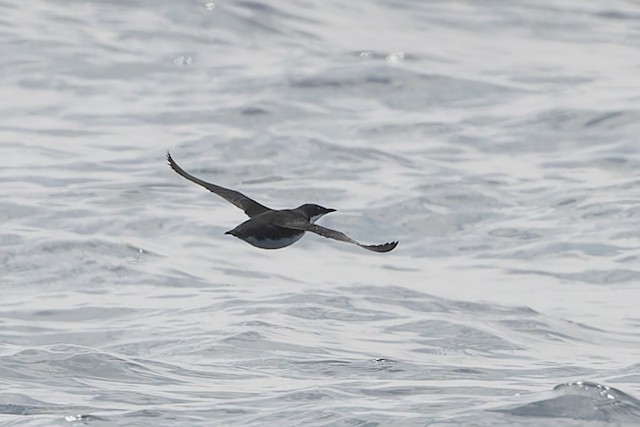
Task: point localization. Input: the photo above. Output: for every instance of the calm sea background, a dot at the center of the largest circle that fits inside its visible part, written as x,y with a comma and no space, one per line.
497,141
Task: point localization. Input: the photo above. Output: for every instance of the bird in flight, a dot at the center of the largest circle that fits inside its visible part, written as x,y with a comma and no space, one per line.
268,228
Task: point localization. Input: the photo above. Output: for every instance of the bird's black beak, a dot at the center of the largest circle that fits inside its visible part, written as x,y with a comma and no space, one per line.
329,210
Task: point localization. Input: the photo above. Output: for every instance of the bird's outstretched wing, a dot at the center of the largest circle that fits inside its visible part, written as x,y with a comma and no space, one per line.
249,206
334,234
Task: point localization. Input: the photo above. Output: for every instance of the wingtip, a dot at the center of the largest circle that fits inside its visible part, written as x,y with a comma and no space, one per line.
172,163
392,245
385,247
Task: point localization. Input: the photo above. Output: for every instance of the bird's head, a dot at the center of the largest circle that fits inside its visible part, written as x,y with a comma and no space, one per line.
313,212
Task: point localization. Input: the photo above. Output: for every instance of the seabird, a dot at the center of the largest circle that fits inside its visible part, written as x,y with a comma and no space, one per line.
268,228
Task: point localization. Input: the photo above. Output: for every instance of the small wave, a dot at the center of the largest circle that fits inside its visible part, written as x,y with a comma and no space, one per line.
584,400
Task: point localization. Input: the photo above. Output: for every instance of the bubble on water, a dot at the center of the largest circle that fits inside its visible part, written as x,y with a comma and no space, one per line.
210,6
395,58
183,60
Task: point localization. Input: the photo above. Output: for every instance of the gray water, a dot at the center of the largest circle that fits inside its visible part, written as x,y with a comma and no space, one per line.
497,141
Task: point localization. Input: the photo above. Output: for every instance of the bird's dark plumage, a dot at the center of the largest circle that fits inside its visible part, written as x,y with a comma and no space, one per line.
297,224
273,229
249,206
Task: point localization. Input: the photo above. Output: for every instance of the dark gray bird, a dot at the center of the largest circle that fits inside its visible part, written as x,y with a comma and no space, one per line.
274,229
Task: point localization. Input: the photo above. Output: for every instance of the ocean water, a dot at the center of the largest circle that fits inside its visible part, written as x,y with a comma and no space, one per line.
497,141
